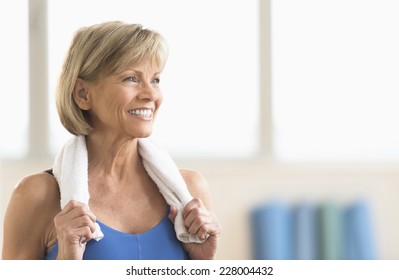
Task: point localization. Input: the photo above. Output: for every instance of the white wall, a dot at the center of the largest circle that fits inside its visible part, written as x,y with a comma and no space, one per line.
237,186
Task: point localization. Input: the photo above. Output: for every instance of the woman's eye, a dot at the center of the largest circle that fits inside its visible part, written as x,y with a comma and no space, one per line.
132,79
156,81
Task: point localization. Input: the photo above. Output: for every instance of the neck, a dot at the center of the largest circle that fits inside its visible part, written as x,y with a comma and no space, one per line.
112,156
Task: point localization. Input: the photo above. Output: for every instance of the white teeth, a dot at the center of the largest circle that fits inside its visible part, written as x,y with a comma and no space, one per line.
145,113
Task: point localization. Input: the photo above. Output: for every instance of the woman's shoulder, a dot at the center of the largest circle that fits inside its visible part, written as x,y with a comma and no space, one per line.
30,212
37,188
197,185
35,195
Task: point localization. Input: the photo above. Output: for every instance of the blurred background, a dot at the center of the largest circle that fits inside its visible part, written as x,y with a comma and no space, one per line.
283,105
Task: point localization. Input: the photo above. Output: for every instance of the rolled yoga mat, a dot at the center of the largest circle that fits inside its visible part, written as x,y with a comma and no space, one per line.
305,231
272,231
330,221
359,232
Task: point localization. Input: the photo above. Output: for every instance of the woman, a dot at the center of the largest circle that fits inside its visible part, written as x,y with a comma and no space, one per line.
109,91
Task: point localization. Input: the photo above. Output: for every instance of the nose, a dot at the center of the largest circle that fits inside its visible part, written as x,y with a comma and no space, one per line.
149,92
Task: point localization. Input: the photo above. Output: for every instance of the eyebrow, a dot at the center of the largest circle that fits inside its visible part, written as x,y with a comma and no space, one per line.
136,71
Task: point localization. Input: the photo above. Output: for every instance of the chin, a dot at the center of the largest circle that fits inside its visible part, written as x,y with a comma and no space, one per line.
142,134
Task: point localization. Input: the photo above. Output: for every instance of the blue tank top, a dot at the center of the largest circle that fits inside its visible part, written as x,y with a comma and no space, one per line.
158,243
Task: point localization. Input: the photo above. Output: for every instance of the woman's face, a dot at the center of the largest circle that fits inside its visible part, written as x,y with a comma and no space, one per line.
126,103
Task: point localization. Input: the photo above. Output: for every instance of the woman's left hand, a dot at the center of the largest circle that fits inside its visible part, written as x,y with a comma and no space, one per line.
202,223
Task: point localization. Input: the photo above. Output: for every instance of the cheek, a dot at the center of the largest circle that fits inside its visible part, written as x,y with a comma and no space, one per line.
158,104
159,100
116,100
109,107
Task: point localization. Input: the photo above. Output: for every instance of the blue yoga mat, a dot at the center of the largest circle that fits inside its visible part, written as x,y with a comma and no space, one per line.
359,233
305,231
272,231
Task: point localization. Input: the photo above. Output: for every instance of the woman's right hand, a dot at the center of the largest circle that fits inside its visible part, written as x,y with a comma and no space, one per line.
74,225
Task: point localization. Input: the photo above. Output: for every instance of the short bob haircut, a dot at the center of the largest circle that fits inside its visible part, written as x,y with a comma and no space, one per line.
102,49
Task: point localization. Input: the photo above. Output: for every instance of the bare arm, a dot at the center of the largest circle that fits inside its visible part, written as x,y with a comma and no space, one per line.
29,218
197,186
198,218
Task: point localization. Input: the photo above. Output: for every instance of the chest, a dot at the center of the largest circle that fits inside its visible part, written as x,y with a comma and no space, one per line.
127,208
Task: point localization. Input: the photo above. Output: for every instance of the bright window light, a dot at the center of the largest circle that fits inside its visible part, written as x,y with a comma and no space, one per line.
14,78
335,86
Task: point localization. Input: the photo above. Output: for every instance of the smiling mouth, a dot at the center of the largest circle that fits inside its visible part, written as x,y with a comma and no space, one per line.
141,113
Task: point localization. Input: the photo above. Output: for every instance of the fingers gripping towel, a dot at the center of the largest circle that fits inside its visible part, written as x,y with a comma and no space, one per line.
70,169
166,175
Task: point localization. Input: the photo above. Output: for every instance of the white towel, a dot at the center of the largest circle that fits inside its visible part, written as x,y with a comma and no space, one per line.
70,169
166,175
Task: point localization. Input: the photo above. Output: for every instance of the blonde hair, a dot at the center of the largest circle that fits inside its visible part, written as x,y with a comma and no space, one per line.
102,49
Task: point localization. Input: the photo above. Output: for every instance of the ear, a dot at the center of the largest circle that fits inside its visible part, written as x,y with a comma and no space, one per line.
81,94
